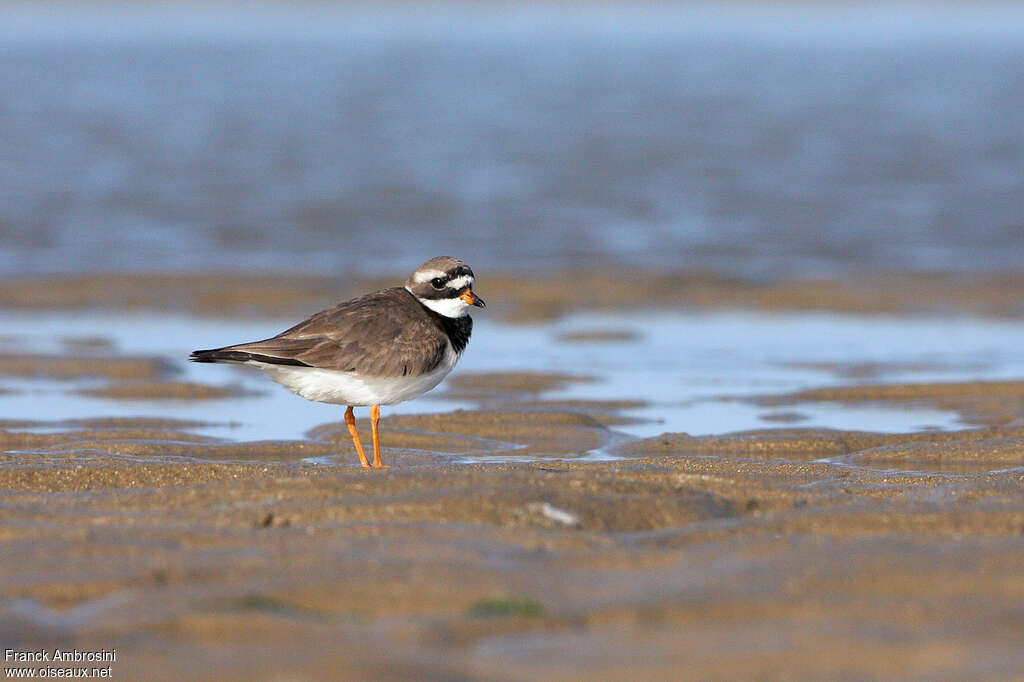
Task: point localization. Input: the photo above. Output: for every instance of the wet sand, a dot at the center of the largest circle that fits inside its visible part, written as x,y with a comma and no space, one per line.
778,553
537,297
732,556
990,403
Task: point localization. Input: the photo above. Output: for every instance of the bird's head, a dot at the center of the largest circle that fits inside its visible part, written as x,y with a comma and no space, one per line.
445,285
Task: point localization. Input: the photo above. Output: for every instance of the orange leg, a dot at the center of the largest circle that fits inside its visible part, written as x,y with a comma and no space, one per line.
350,421
374,420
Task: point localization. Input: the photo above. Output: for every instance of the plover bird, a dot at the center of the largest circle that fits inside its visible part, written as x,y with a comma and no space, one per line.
379,349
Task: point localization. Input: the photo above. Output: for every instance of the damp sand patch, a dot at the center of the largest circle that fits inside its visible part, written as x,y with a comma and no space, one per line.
535,298
955,457
67,367
980,403
486,436
955,453
600,336
489,384
166,390
456,568
527,391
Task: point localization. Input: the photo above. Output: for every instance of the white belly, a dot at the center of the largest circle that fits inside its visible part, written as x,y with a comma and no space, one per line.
349,388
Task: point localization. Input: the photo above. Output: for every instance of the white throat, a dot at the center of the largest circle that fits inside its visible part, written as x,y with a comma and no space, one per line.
449,307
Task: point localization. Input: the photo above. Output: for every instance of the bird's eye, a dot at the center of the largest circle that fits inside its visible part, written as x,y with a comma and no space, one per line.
437,283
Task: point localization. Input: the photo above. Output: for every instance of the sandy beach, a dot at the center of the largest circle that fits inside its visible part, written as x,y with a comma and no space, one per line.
783,552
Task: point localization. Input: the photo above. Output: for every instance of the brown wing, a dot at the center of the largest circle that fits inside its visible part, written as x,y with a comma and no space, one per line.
386,333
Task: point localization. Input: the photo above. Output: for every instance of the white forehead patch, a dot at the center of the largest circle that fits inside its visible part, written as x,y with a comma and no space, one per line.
426,275
459,282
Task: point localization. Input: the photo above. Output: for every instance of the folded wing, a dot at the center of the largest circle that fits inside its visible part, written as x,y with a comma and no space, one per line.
382,334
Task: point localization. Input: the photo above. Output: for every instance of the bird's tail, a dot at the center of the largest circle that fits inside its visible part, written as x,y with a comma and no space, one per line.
229,354
219,355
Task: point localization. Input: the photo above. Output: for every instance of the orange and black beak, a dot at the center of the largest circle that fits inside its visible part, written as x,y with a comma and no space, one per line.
472,299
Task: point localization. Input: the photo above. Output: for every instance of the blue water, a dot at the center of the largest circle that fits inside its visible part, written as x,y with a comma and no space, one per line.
699,373
761,142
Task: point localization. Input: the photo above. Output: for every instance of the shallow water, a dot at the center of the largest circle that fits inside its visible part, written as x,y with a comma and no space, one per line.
694,372
755,141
